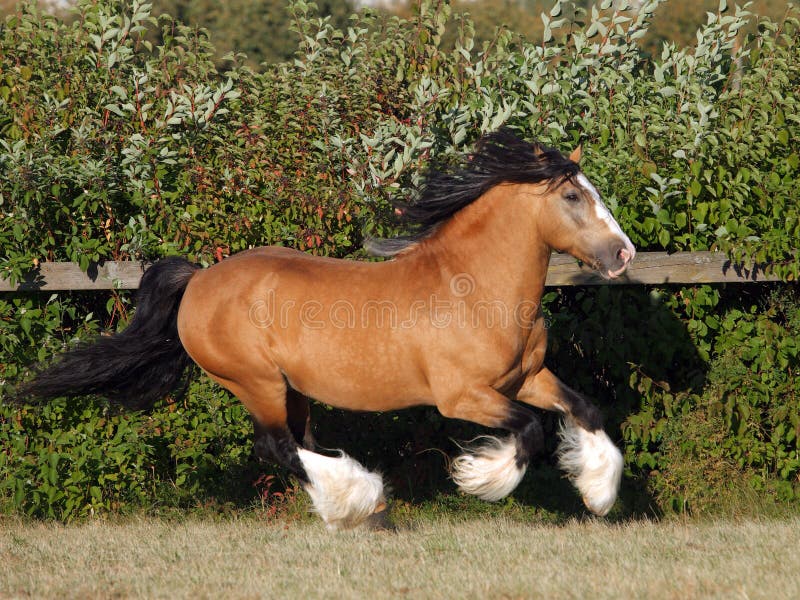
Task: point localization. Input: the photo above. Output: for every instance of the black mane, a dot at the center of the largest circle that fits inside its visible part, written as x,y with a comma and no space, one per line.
499,157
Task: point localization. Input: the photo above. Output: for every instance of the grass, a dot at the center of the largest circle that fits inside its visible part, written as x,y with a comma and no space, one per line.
493,557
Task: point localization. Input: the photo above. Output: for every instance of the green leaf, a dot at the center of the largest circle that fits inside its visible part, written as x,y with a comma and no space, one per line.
115,109
120,91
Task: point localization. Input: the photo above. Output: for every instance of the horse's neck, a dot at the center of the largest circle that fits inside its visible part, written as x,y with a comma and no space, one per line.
495,241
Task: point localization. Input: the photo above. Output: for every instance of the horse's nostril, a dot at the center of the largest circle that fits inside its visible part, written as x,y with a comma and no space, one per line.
623,254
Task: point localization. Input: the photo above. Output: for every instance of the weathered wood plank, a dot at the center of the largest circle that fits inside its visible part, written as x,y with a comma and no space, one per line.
59,276
659,268
653,268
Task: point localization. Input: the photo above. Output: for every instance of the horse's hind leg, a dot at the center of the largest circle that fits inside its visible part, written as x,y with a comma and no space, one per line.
299,418
493,470
343,492
590,458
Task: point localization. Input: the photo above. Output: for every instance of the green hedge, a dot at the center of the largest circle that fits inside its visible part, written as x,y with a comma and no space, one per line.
113,149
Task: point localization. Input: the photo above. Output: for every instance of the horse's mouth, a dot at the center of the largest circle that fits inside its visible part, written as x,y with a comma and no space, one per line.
606,272
624,257
618,272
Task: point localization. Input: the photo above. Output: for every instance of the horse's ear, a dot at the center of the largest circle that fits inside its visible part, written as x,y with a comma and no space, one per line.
575,155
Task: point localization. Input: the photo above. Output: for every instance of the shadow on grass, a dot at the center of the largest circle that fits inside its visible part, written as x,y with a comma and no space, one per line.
599,339
417,476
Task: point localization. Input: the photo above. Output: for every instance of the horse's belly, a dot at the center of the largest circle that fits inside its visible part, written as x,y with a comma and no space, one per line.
358,383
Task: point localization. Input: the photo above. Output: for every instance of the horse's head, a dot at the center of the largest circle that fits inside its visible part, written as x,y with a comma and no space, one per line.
573,219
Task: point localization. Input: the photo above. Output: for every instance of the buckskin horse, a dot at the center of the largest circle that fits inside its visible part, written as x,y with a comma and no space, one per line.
451,320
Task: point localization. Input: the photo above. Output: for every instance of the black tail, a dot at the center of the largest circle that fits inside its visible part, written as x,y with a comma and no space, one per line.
138,366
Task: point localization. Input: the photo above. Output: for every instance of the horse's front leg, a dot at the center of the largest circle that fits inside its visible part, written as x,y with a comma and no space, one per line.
493,470
592,461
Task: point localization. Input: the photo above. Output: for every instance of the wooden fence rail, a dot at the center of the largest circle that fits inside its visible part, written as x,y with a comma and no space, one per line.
649,268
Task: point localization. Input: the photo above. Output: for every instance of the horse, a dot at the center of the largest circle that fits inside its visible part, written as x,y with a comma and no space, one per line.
452,319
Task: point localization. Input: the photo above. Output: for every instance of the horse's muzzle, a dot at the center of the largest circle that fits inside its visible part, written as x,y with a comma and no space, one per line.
623,257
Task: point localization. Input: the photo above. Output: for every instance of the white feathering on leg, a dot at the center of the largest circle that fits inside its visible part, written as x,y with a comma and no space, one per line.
344,493
593,463
489,472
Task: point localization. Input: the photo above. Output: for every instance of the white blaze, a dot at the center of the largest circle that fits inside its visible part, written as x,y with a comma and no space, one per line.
604,214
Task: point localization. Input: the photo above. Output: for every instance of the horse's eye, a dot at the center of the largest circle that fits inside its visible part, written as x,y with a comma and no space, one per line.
572,196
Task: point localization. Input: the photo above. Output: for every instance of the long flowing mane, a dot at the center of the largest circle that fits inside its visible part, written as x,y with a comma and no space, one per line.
499,157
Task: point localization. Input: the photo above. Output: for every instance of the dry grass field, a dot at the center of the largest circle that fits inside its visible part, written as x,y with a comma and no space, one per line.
446,558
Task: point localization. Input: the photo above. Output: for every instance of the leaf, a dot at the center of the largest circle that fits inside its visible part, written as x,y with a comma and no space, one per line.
550,88
115,109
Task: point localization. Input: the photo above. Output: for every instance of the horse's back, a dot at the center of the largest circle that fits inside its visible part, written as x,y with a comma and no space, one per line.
225,304
315,321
